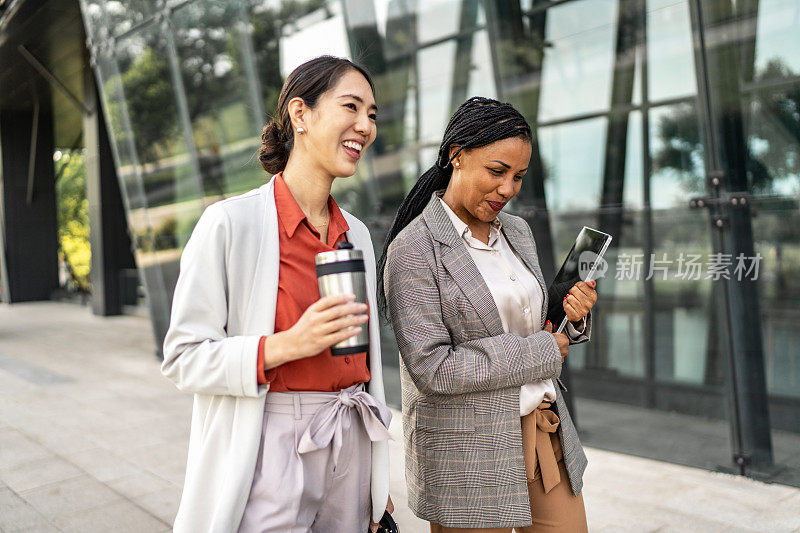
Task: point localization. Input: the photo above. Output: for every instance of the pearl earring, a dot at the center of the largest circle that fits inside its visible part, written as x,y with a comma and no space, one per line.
457,164
300,130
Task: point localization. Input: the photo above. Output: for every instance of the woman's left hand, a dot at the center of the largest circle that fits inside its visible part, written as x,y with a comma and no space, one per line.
373,526
580,300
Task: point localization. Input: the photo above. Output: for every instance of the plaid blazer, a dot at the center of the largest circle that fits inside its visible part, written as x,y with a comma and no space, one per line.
461,376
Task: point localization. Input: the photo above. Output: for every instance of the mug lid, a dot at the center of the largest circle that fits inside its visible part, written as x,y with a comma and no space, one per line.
336,256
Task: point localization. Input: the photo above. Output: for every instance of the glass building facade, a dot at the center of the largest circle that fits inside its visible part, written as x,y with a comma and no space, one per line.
638,107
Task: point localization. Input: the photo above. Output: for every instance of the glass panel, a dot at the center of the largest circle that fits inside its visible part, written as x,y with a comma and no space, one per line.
223,95
677,155
481,75
633,191
774,175
685,332
571,182
437,19
300,41
578,58
777,226
435,87
118,123
777,38
670,59
269,22
774,142
171,187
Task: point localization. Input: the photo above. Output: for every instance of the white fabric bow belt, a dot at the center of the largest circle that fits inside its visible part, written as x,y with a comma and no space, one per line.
332,419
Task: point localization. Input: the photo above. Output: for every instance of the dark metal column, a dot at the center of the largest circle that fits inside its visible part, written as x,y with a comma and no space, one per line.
110,242
28,193
718,80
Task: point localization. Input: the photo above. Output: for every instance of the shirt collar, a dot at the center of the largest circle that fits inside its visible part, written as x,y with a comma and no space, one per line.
291,216
463,229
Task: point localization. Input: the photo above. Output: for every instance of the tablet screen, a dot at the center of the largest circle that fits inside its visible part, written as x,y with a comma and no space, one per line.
583,259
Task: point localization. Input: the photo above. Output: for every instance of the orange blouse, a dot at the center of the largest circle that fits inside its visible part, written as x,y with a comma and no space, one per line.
299,243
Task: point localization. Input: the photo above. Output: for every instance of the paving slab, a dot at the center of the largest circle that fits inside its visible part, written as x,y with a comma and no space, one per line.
73,495
17,515
119,517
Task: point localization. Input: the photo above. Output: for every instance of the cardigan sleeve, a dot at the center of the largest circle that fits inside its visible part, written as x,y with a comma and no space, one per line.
435,364
199,356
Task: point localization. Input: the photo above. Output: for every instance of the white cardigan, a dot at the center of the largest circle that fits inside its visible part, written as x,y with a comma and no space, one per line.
224,302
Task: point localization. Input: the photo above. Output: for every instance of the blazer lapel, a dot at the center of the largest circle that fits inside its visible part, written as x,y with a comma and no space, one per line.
521,242
458,262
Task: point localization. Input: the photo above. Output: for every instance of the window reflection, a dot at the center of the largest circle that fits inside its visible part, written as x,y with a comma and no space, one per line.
300,43
677,154
437,18
686,329
224,103
670,55
578,58
774,177
777,37
573,154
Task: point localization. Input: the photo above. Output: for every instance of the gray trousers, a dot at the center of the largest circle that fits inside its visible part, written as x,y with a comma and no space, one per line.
314,465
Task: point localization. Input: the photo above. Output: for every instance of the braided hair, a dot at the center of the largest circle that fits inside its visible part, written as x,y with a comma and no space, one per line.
477,122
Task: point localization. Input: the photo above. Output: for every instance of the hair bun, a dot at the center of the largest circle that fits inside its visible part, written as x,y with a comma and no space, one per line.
274,152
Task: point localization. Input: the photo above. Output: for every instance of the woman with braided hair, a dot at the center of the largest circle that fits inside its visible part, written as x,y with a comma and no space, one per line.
490,445
285,436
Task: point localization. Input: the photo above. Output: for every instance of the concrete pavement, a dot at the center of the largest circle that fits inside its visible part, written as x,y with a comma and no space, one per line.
92,438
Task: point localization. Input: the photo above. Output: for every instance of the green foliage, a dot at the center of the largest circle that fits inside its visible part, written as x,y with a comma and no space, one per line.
73,216
772,149
149,97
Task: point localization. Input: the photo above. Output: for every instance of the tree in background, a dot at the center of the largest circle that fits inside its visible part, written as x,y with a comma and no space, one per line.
73,217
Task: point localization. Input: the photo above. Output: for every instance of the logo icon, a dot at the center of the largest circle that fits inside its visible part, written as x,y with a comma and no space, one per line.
590,263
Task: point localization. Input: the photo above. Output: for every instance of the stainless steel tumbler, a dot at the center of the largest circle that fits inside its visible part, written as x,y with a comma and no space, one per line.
342,272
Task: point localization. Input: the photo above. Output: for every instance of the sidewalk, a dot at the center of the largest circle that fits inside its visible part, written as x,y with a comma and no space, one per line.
93,439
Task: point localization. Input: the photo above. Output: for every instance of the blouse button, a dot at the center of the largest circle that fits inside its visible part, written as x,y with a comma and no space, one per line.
347,360
526,310
513,277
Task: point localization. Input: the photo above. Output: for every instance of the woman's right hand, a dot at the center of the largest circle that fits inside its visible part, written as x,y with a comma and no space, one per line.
326,322
561,339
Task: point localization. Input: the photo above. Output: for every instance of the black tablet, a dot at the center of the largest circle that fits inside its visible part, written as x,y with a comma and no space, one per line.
583,261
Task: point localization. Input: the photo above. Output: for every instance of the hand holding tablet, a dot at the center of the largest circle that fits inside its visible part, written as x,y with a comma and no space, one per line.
581,264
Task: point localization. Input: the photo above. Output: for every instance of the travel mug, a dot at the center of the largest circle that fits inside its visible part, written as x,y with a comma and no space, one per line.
341,271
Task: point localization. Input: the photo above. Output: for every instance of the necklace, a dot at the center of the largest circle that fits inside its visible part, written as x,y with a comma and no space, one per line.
321,224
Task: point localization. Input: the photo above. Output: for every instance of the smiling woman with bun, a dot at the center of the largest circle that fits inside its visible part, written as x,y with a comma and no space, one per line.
490,443
285,436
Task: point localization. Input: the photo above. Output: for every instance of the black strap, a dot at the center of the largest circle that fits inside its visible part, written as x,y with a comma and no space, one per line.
352,265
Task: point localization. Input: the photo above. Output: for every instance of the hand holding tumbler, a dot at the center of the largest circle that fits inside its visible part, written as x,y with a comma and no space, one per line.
341,271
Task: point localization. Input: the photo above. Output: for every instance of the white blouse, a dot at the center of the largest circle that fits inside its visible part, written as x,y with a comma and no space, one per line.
517,293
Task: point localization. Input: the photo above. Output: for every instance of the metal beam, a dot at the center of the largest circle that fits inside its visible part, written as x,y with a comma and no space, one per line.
41,69
32,152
